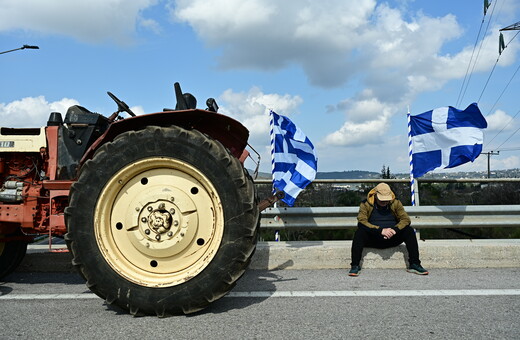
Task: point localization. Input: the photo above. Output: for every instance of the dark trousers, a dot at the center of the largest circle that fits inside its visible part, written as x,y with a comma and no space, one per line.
365,237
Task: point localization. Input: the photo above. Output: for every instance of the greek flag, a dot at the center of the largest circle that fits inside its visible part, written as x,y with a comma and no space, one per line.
446,137
294,162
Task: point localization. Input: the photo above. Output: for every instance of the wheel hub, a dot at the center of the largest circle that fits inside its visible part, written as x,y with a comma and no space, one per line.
160,219
159,222
162,227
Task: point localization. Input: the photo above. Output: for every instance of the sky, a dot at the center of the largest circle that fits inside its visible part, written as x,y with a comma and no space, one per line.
345,72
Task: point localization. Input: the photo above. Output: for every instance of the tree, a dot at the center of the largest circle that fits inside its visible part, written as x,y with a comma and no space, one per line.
385,173
349,198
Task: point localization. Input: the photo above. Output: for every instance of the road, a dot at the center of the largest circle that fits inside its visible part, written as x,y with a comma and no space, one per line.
284,304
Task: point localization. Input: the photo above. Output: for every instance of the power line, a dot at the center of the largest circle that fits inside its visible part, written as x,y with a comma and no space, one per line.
487,81
508,138
494,70
515,26
509,149
478,53
504,126
470,60
504,90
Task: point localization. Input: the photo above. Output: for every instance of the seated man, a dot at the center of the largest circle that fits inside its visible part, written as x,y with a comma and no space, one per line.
383,223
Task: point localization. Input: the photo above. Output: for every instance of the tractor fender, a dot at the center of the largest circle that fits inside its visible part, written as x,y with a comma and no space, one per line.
228,131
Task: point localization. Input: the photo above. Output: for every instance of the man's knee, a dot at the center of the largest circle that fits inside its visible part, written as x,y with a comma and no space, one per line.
408,231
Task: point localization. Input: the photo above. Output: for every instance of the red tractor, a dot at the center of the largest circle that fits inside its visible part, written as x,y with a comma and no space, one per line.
158,211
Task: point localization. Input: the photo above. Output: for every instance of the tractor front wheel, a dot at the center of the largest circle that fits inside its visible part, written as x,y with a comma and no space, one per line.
162,221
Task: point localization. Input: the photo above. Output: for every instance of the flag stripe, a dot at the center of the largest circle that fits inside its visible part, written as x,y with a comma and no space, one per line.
294,162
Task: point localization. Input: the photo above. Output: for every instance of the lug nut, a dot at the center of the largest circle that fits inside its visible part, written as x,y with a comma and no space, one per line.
162,206
170,234
182,234
158,237
175,223
147,231
172,211
150,208
144,219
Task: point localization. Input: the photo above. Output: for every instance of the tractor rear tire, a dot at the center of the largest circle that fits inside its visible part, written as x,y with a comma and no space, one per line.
11,255
162,221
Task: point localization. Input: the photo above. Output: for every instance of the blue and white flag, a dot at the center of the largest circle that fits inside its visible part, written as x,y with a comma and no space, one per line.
294,162
446,137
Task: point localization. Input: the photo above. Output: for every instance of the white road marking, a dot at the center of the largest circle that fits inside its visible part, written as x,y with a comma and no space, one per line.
289,294
80,296
378,293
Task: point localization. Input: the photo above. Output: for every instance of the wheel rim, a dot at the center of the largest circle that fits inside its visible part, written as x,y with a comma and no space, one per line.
158,222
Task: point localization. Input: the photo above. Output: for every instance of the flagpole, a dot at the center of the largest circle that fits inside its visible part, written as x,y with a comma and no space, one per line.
271,132
412,180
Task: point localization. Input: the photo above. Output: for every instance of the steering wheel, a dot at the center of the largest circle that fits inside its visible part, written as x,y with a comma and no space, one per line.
121,105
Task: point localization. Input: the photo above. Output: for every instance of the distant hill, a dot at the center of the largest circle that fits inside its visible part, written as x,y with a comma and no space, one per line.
360,174
352,174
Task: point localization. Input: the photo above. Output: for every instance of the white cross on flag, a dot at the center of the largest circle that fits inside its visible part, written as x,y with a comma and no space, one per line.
446,137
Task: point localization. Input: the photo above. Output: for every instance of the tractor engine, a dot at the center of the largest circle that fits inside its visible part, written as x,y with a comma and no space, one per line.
37,166
23,162
18,172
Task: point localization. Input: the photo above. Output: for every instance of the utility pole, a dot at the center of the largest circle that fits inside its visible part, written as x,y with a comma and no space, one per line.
513,27
489,154
501,43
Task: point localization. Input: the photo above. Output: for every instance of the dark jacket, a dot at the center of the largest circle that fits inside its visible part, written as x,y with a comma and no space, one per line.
367,206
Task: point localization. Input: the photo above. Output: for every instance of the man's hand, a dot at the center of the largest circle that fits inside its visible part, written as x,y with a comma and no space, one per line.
387,233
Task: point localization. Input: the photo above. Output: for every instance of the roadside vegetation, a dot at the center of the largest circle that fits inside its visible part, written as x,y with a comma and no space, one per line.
334,195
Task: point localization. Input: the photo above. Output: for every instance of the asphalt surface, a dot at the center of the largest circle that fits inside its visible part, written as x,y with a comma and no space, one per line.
284,304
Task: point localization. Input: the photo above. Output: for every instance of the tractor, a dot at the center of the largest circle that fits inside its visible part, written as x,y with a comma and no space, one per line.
157,210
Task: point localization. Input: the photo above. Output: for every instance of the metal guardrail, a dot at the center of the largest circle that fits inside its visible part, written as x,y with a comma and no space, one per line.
451,216
404,180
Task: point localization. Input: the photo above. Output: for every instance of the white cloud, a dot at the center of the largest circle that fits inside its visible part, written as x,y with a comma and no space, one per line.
151,25
367,121
269,34
352,134
87,20
31,112
395,55
507,10
252,108
214,19
332,43
511,162
499,121
138,110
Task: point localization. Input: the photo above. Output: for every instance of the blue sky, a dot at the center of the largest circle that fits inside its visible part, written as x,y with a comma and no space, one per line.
344,71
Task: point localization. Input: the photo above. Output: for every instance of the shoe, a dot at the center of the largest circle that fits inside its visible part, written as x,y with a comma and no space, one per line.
417,269
354,271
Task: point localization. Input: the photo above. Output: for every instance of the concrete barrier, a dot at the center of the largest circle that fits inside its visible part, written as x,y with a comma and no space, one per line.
434,254
335,255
